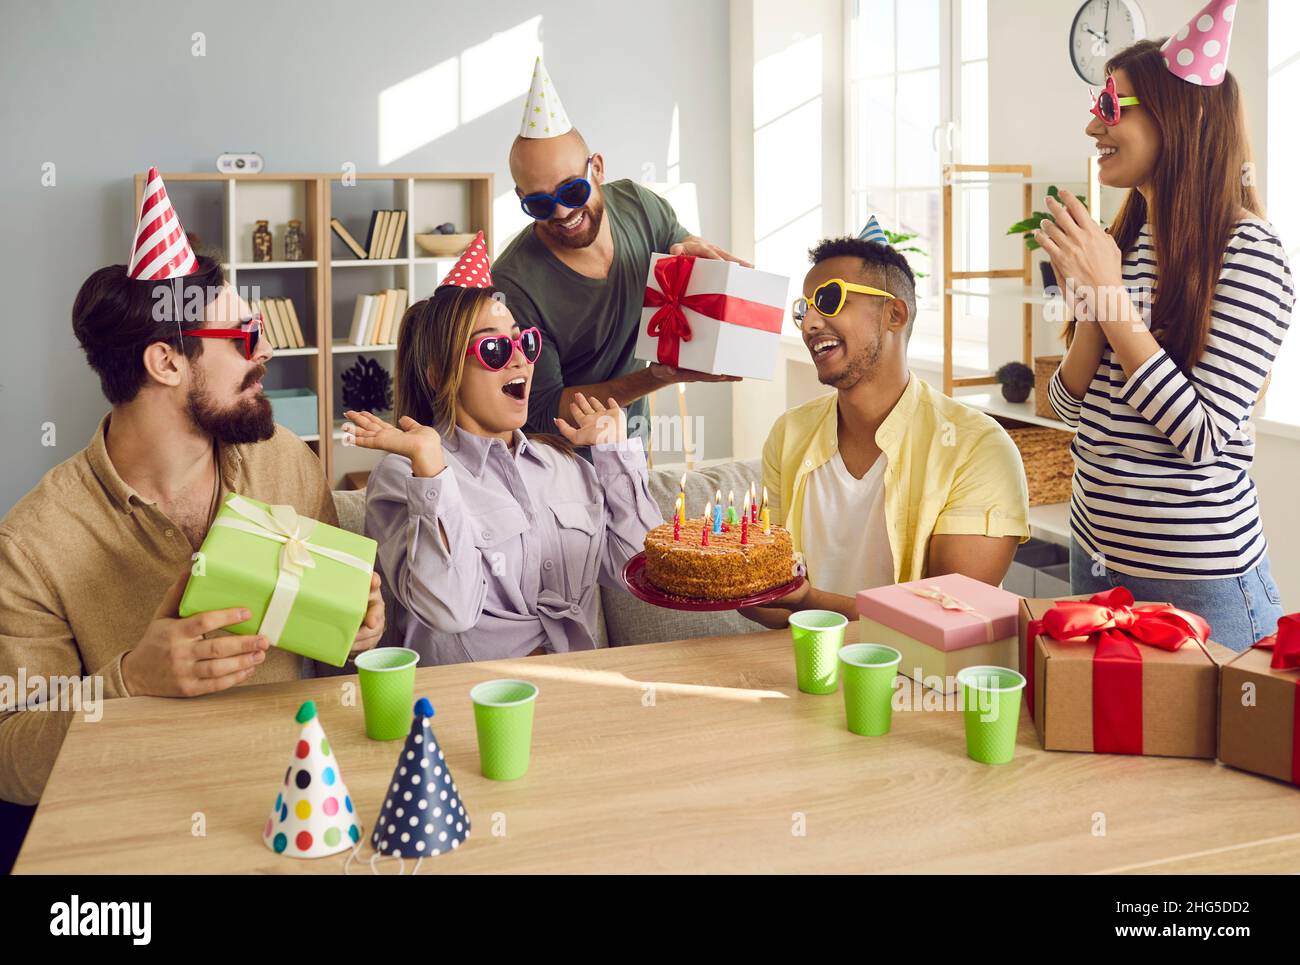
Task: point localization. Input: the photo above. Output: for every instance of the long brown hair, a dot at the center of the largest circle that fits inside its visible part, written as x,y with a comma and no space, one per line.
432,342
1201,182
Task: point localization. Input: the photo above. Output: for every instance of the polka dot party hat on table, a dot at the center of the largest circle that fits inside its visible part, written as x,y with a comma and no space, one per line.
423,814
472,270
1198,53
313,815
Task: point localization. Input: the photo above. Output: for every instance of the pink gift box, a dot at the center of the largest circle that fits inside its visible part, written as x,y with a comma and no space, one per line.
996,613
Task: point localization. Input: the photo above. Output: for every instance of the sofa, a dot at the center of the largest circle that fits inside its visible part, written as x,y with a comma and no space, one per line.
625,620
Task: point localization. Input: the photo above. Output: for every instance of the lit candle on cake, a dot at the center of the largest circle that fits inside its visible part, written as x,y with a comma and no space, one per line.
753,504
767,520
717,512
704,535
677,528
681,498
744,522
731,507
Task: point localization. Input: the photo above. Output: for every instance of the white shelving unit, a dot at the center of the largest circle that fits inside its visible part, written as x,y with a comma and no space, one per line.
228,206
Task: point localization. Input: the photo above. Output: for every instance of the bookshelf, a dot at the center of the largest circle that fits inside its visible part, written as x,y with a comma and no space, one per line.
221,211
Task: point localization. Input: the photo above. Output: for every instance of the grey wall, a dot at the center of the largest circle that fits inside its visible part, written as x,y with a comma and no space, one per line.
104,89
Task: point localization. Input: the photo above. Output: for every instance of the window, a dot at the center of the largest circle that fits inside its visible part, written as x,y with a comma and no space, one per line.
1282,401
918,98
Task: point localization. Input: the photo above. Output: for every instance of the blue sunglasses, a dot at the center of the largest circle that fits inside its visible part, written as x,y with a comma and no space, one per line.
572,194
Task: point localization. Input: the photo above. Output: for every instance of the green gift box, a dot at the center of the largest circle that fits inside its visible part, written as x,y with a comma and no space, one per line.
305,584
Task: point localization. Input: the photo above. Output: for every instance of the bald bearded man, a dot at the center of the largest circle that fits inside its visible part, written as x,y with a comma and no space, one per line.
579,271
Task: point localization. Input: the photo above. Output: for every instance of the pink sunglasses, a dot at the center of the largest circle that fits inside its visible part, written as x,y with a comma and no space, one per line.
494,352
1107,103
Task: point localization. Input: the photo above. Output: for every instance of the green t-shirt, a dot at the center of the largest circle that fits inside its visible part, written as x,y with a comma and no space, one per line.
589,325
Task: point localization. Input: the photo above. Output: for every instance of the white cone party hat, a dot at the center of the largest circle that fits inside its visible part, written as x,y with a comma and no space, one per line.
313,815
544,115
160,249
423,814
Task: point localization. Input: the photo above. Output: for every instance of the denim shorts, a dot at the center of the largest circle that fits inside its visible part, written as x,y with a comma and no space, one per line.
1239,609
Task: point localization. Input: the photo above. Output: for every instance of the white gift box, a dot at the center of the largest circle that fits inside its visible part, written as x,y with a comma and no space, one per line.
731,314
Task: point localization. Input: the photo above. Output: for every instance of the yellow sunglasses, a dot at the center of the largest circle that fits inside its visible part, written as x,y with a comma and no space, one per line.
829,298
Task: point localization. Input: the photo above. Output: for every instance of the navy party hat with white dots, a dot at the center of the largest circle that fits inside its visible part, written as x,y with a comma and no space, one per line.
423,814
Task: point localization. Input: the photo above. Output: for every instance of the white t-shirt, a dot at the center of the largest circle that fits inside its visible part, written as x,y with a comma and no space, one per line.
845,543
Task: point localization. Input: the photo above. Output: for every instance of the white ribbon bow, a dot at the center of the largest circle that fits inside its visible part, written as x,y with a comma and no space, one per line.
284,525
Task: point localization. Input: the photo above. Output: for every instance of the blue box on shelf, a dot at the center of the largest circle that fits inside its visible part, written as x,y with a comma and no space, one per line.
295,409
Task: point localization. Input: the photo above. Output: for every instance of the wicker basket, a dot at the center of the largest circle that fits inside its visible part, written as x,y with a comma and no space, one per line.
1044,368
1048,464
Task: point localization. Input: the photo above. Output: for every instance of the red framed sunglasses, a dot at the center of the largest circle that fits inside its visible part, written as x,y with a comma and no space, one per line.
1107,103
494,352
250,332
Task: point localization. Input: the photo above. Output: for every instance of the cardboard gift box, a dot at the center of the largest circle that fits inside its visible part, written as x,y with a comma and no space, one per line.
941,625
305,584
1259,705
712,316
1108,676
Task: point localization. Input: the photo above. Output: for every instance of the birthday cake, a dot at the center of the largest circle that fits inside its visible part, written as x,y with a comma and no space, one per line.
725,568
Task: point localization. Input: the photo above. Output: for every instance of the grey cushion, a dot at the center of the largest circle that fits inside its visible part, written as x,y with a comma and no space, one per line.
628,619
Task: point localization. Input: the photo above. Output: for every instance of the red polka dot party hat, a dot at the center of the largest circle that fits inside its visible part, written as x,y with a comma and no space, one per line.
473,269
423,814
313,815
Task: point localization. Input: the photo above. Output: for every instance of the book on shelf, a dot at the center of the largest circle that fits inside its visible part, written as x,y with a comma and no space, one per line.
398,298
399,232
375,234
280,322
383,235
279,339
356,336
346,237
375,317
295,328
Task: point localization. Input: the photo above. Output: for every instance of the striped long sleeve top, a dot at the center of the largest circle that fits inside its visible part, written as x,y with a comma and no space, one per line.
1162,459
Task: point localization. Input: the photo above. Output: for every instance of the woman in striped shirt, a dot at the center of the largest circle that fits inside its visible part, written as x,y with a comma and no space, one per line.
1181,307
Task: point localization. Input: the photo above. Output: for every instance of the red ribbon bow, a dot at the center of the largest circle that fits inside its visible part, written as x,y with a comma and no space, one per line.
1285,644
1113,626
669,324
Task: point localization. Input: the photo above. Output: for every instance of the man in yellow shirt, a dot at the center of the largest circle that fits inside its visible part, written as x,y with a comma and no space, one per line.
887,480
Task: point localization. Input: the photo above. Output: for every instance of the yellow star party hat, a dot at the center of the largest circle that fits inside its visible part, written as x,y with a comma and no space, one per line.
313,814
544,115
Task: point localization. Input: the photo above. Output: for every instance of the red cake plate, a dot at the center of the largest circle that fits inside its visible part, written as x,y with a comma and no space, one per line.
641,588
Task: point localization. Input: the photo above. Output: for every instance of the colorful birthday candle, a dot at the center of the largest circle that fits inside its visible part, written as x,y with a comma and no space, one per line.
753,504
704,535
731,507
717,512
677,528
767,520
744,522
681,508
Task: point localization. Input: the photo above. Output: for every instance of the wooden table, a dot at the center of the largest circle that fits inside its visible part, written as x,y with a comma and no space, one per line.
694,756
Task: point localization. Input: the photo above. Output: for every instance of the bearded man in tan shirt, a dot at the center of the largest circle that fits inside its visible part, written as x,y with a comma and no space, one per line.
93,561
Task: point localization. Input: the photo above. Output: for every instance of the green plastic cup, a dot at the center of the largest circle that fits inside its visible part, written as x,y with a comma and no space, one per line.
990,699
817,635
503,716
387,690
868,671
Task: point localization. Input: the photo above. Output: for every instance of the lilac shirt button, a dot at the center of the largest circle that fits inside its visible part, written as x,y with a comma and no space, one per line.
548,566
575,608
487,534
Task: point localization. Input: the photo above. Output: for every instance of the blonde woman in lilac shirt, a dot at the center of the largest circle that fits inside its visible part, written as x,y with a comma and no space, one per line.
492,541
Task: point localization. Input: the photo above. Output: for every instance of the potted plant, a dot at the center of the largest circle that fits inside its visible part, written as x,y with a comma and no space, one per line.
1016,379
899,242
1027,227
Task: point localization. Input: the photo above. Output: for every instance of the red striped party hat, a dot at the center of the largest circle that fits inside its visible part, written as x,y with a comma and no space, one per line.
160,249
